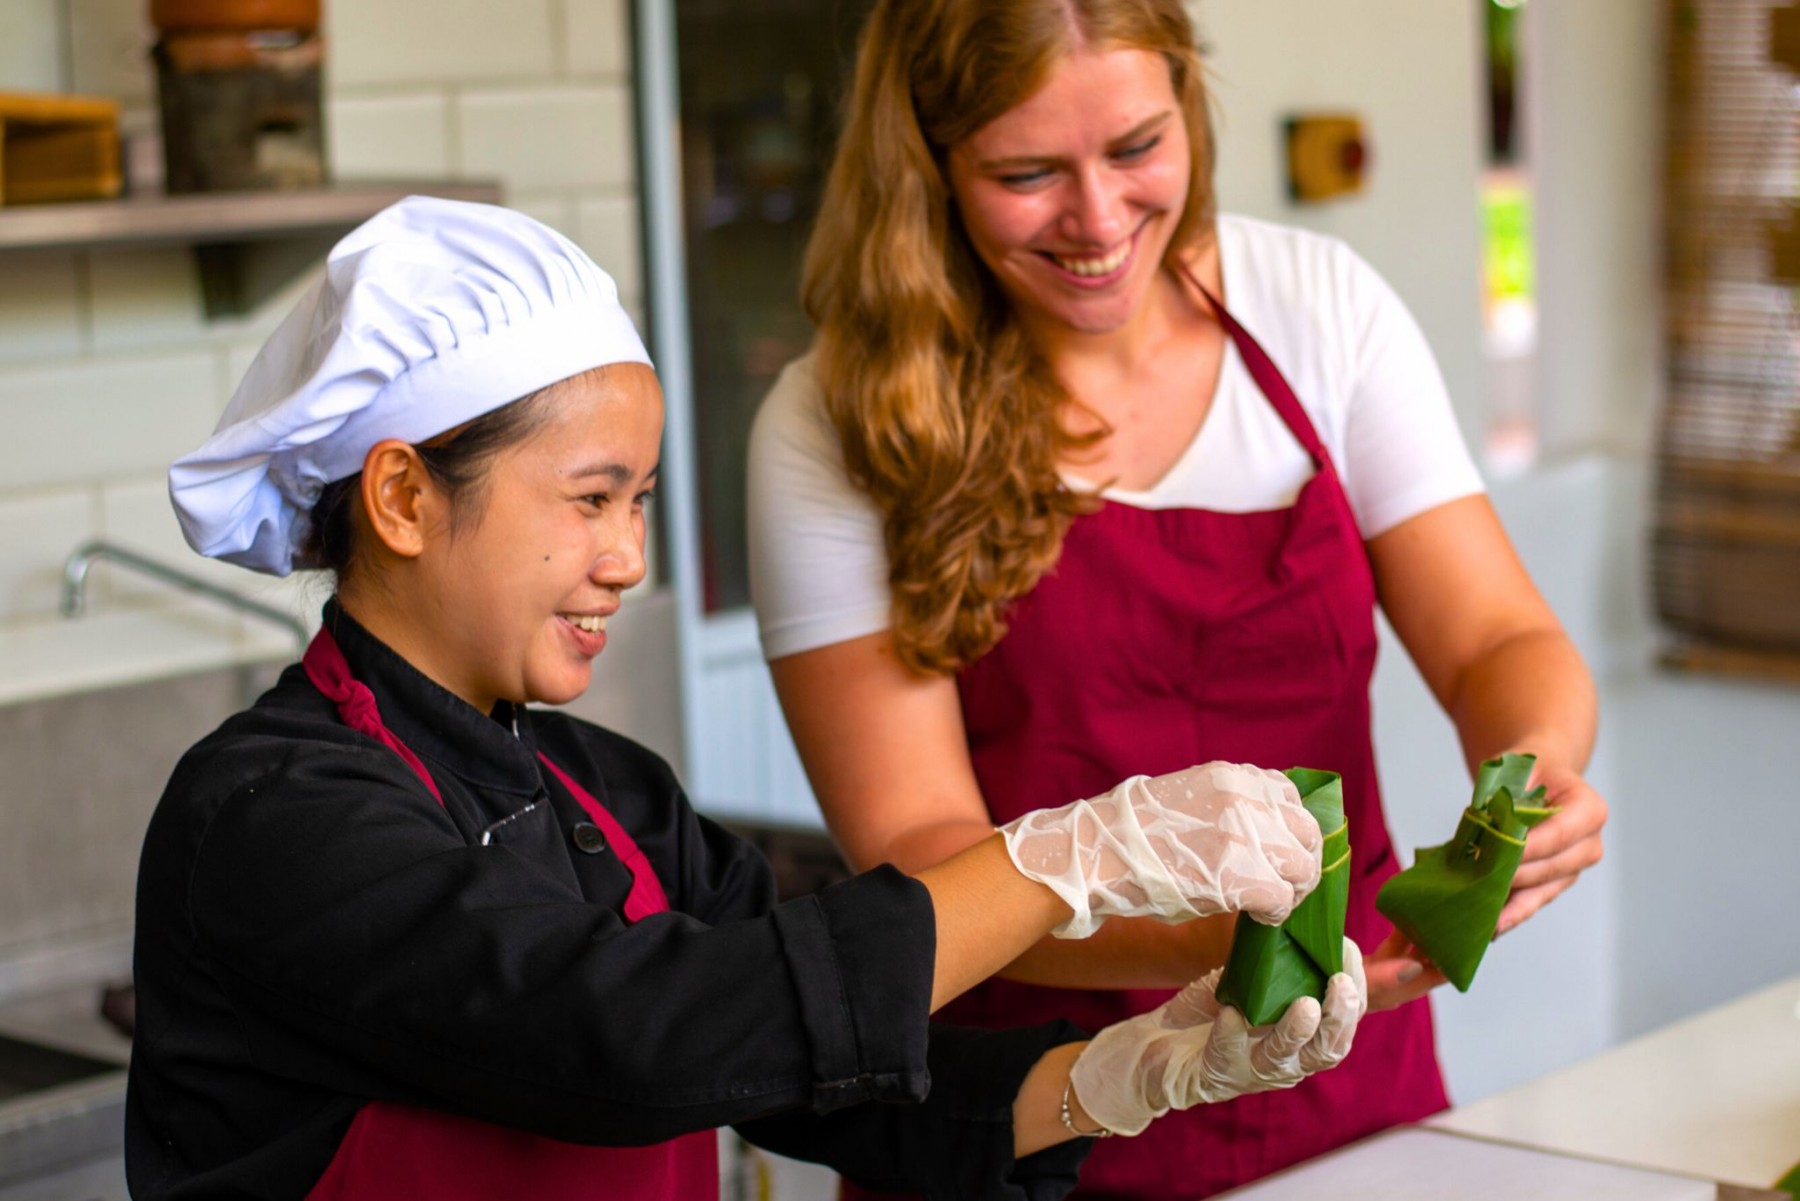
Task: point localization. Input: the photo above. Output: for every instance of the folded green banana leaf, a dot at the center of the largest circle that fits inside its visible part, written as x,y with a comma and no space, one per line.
1271,967
1791,1182
1448,902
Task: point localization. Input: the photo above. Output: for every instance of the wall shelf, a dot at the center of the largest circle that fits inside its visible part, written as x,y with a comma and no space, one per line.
247,245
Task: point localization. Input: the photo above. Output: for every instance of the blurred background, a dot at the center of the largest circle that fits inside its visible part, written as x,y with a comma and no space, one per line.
1588,205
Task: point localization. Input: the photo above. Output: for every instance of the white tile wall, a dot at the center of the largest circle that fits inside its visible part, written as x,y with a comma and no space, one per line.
607,228
410,42
37,531
87,422
554,209
549,137
388,137
598,38
135,513
40,306
109,49
31,55
144,299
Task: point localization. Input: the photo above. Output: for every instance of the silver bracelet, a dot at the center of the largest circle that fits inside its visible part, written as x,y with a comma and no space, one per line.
1068,1118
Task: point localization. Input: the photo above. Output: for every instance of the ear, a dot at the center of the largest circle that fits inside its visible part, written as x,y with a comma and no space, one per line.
399,497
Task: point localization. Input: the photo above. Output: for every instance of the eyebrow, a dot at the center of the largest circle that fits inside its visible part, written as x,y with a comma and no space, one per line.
618,473
1028,160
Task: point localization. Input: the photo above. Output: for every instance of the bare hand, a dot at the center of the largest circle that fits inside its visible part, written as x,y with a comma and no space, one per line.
1558,849
1397,973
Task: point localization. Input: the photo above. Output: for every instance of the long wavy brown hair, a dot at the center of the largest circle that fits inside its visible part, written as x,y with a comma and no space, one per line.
948,418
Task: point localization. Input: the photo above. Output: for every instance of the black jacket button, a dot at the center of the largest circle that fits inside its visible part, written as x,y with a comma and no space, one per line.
588,838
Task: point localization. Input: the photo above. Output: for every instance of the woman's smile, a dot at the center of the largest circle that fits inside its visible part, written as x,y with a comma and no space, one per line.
1095,269
586,630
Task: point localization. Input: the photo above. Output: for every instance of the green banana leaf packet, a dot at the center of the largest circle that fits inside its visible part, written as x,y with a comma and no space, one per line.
1271,967
1448,902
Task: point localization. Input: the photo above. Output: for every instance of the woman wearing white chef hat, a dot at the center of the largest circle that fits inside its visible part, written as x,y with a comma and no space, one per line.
400,935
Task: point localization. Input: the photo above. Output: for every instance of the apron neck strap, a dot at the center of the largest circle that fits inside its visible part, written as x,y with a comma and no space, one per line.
647,895
1268,377
329,672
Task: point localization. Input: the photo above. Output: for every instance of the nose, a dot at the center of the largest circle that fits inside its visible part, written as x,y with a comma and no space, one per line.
620,563
1097,211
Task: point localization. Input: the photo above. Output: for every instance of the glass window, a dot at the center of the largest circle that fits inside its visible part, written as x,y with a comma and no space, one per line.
761,85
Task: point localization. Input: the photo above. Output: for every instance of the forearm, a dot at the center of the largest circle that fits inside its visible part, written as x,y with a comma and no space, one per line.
987,915
1124,953
1531,692
1128,953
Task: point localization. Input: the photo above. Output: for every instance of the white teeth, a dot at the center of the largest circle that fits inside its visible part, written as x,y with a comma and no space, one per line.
591,624
1091,267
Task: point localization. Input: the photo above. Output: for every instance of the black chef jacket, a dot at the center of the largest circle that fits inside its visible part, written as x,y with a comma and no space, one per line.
315,931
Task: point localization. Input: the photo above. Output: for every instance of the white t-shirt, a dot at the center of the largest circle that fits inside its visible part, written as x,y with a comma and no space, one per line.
1353,354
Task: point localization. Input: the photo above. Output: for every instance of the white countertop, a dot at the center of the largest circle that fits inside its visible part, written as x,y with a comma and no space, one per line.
113,648
1414,1163
1717,1096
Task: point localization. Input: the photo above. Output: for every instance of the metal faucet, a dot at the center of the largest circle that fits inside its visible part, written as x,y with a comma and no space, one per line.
75,573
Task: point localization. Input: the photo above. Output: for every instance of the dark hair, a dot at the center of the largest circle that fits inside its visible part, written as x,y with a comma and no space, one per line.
457,461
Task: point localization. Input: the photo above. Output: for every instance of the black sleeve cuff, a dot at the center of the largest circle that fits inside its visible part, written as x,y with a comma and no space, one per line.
860,954
958,1144
977,1073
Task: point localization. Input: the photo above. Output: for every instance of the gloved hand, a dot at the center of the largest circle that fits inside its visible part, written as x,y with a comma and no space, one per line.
1208,839
1191,1050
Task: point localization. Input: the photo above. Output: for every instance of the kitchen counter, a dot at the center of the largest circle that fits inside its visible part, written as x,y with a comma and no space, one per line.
1707,1109
1717,1096
115,648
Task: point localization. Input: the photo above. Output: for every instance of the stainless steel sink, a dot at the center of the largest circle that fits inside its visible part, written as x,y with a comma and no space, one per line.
27,1067
62,1088
62,1127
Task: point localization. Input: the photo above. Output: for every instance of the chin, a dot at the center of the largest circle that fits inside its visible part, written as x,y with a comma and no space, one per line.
559,691
1090,321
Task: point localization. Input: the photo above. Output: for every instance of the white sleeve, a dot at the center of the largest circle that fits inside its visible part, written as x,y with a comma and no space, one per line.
818,559
1403,451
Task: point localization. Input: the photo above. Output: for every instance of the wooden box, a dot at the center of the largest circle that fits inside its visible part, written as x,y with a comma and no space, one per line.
55,147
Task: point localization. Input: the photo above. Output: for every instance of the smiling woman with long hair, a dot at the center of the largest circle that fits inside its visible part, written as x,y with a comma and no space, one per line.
949,419
1082,475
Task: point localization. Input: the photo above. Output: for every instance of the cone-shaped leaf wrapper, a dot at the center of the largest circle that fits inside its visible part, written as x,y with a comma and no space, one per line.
1448,902
1271,967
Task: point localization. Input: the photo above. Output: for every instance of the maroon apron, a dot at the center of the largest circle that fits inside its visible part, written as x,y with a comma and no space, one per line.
1165,638
395,1150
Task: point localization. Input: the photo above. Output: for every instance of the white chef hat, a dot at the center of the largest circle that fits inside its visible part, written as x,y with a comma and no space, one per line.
429,314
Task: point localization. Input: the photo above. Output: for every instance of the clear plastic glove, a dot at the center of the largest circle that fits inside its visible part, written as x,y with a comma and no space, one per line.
1210,839
1190,1050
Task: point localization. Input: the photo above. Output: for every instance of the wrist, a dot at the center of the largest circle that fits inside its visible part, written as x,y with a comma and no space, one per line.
1076,1119
1552,748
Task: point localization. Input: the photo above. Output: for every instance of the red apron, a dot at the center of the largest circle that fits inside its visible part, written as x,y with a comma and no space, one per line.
1164,638
395,1150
